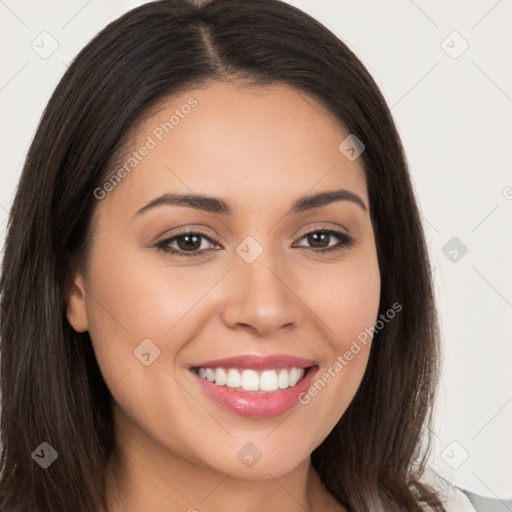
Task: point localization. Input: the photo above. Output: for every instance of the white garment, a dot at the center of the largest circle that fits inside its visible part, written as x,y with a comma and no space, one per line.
457,501
453,499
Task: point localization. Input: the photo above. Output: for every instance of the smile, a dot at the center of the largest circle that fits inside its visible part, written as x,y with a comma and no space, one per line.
255,386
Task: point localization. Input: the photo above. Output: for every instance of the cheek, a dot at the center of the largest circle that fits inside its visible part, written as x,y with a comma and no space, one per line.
346,297
136,295
354,306
130,301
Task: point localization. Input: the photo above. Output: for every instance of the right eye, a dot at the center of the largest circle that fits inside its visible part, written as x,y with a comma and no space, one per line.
325,234
189,243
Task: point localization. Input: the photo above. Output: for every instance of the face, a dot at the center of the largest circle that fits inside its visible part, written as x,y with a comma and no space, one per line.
250,289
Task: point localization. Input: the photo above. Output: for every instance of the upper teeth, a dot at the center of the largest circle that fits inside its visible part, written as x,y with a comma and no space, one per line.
253,380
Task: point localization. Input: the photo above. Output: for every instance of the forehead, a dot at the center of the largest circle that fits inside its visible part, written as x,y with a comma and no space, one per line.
230,140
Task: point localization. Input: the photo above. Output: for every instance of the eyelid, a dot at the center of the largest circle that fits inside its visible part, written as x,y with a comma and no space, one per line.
190,229
325,226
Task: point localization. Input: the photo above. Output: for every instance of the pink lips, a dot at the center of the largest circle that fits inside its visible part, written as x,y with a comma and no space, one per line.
252,404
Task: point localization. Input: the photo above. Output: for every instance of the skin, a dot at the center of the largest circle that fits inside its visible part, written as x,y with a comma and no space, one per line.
259,148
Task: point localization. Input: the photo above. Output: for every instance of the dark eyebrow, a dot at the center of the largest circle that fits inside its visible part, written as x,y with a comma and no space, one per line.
325,198
217,205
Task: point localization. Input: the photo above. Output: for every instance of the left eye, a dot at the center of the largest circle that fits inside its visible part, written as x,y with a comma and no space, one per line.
187,243
320,236
190,243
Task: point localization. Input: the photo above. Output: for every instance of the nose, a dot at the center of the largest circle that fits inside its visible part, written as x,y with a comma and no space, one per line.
261,297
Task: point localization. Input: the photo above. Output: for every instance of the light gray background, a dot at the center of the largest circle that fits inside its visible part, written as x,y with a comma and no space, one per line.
454,113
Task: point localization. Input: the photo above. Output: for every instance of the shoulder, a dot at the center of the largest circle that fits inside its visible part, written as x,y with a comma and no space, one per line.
457,499
484,504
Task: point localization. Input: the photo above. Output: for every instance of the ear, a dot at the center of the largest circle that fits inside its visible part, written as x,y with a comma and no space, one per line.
76,304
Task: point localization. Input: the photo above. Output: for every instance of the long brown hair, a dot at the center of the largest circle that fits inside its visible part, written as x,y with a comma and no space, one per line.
52,388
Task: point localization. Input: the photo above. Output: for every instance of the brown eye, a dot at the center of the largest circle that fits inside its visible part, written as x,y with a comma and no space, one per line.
319,240
187,244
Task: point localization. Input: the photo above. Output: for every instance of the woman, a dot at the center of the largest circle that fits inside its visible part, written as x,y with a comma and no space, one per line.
215,291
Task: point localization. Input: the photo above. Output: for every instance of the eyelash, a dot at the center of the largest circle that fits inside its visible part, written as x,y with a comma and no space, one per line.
346,241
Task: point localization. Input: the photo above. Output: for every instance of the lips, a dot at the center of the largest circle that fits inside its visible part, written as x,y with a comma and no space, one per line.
270,398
